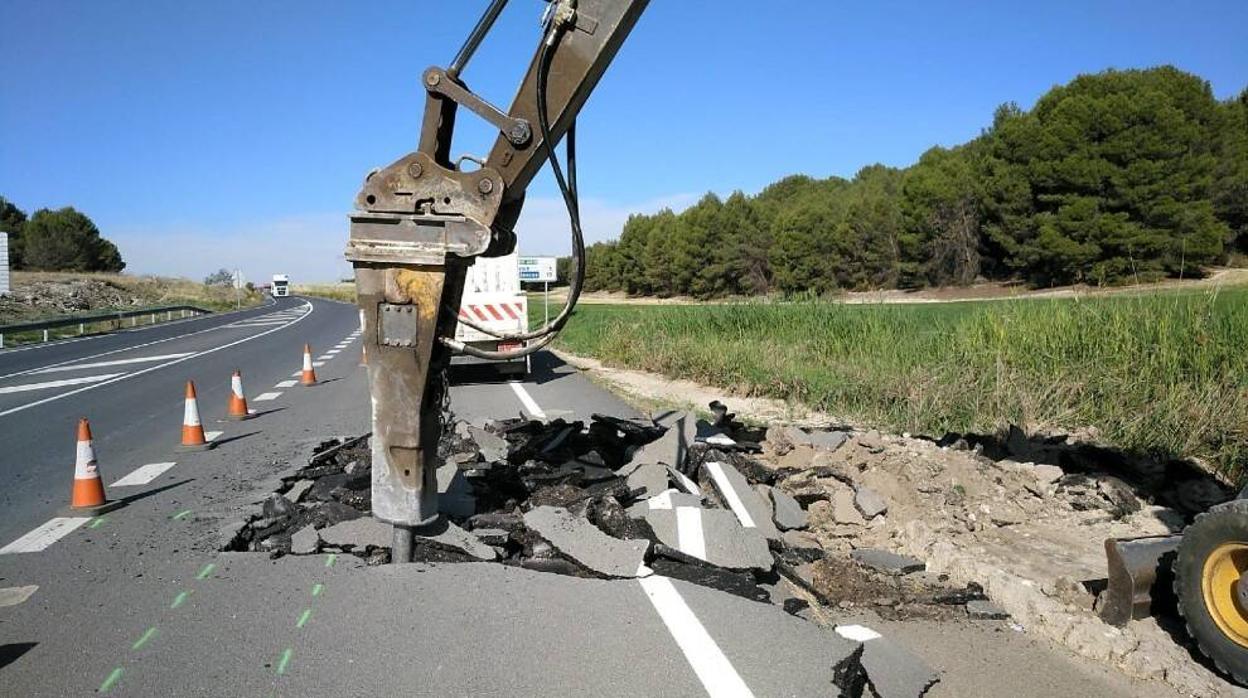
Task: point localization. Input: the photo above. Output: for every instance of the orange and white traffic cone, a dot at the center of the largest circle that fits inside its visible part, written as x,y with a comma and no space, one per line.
238,401
88,496
192,430
309,373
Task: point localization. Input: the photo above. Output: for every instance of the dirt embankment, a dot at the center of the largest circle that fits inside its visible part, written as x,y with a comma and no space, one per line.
40,295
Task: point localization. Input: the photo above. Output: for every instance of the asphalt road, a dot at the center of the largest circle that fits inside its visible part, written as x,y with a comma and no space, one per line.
141,601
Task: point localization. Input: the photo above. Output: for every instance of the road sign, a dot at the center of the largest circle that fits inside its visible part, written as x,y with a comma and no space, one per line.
4,264
538,269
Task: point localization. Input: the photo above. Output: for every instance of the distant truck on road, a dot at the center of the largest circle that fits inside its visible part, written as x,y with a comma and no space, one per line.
493,299
281,286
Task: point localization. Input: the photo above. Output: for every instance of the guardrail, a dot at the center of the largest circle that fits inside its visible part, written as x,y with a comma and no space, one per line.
115,318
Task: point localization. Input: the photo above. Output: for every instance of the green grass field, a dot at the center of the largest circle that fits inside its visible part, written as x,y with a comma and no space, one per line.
1164,374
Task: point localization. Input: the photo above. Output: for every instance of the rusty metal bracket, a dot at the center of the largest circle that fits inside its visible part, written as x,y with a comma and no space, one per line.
517,131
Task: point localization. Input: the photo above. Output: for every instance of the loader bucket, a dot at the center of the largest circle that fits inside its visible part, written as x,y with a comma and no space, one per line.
1135,567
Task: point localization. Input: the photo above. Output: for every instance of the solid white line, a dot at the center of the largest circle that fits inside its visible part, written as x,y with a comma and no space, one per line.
110,352
689,536
212,435
127,330
157,367
12,596
713,669
45,535
143,474
287,384
26,387
527,400
118,362
264,397
730,495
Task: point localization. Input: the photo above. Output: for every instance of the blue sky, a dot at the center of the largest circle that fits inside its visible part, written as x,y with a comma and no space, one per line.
230,133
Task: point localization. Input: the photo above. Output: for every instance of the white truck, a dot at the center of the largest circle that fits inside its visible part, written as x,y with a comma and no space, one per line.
281,286
493,299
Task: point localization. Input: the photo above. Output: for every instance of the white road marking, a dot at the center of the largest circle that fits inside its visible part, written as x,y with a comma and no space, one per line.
689,536
317,364
143,474
730,495
662,500
157,367
26,387
713,669
264,397
324,357
212,435
12,596
287,384
45,535
118,362
131,330
527,400
857,633
690,486
296,374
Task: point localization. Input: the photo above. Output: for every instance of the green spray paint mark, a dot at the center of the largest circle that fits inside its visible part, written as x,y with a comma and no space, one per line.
329,561
179,599
208,568
181,514
147,635
97,521
317,589
303,617
281,663
112,679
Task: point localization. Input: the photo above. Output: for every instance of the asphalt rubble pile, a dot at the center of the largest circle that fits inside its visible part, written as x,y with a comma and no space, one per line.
618,498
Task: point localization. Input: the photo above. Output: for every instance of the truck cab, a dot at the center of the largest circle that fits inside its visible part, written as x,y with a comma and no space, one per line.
281,286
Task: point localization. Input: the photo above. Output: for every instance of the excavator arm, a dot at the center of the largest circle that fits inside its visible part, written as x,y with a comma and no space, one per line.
420,221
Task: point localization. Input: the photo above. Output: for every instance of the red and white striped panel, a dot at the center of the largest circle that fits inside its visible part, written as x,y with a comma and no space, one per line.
486,312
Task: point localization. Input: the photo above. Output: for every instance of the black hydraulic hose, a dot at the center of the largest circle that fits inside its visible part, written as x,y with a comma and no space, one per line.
571,198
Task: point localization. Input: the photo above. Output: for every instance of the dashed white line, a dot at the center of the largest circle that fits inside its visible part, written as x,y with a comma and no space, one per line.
143,474
718,676
689,536
286,384
118,362
733,499
324,357
265,397
45,535
12,596
157,367
26,387
527,400
317,364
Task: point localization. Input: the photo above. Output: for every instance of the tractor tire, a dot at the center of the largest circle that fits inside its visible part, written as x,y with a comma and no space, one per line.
1211,557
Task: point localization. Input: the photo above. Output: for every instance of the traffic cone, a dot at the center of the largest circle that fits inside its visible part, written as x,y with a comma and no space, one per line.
192,430
88,496
309,373
238,401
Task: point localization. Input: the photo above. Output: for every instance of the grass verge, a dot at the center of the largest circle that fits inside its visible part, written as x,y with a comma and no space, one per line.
344,292
1164,374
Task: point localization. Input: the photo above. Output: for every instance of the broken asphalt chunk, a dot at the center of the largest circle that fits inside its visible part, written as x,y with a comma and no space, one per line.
895,672
304,541
735,583
886,562
446,534
358,533
713,535
577,538
869,502
982,609
787,513
743,500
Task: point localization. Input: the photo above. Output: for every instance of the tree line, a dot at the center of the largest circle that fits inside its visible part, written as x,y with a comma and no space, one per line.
60,240
1120,176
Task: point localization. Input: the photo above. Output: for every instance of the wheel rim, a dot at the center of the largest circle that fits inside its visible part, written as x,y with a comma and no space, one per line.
1221,573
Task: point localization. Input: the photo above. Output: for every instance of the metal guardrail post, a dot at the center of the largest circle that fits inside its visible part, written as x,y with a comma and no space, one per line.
82,328
45,335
